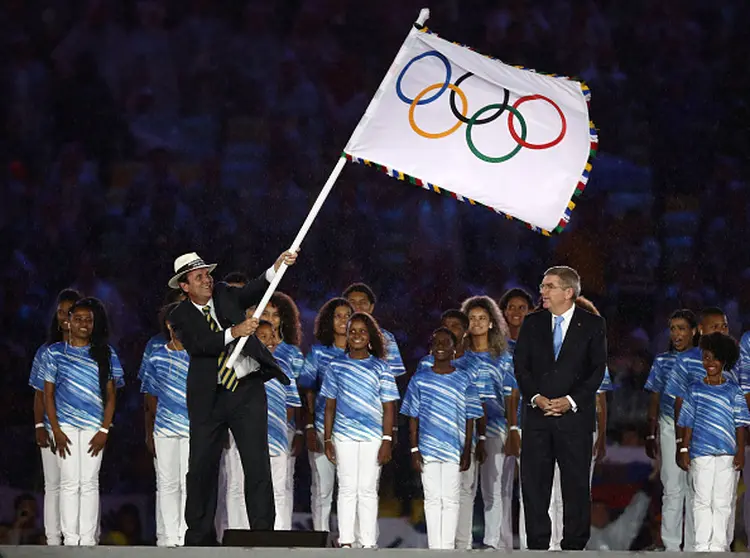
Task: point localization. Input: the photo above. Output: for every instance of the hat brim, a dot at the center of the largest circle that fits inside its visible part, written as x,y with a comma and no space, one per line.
174,282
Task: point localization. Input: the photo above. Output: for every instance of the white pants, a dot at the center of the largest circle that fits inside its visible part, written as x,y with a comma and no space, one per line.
290,466
521,514
51,470
677,493
441,484
359,474
714,483
467,494
556,511
508,481
171,480
282,503
321,491
491,479
79,489
161,537
236,510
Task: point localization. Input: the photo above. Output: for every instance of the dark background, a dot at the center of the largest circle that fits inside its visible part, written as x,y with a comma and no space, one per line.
136,131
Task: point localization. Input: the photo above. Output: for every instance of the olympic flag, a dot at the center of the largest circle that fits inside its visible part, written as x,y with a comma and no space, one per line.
448,118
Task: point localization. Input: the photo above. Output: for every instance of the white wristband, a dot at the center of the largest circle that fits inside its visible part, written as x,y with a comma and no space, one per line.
387,438
309,426
298,432
39,425
515,428
651,437
414,449
482,437
678,440
104,430
684,450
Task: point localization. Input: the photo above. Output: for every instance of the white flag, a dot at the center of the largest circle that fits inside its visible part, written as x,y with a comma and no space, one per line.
448,118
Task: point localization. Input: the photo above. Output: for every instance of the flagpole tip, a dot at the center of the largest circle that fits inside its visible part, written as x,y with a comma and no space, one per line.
424,15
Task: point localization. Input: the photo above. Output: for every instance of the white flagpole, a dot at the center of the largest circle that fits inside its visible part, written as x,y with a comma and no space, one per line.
424,14
293,248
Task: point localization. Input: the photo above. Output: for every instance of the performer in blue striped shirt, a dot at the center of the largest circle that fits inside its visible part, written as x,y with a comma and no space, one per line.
360,393
330,332
713,418
80,379
59,331
149,402
283,314
283,404
165,372
743,376
488,356
683,335
442,401
688,368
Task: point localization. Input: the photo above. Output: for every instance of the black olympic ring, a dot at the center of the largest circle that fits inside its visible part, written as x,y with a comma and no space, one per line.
486,120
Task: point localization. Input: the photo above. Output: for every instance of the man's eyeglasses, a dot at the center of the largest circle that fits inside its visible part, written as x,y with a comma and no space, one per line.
549,287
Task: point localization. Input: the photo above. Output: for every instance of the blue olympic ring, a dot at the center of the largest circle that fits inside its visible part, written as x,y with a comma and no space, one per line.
439,92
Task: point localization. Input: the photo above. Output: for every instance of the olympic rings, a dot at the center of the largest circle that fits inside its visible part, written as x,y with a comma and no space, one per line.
444,86
449,131
463,118
475,119
521,141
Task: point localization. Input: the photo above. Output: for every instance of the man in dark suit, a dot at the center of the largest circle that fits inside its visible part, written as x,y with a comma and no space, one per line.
559,360
207,323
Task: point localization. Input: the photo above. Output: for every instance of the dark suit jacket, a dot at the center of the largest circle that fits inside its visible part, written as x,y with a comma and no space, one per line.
204,346
578,370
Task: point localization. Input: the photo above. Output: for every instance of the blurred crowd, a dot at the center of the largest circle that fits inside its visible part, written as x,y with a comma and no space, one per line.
134,131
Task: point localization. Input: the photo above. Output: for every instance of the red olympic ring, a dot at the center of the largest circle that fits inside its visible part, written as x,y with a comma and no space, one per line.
524,143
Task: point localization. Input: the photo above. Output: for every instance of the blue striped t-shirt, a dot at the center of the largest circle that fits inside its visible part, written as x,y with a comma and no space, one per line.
714,413
36,378
313,373
657,381
78,398
165,373
688,369
360,387
743,365
497,377
442,403
393,355
157,340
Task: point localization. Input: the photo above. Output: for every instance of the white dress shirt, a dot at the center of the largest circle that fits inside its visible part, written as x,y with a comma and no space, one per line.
244,365
567,317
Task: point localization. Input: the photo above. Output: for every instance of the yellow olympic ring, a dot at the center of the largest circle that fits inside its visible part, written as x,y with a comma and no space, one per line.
418,130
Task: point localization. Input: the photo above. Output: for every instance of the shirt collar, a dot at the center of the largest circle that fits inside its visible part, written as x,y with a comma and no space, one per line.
567,315
209,304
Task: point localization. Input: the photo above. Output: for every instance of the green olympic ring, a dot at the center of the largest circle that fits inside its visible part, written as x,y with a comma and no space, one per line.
473,121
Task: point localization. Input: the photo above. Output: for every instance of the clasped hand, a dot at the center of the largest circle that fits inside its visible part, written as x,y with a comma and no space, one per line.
553,407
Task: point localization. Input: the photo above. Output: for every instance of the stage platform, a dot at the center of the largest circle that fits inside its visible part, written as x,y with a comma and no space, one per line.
235,552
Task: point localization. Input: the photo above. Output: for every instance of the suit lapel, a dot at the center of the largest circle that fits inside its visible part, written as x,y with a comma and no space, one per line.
573,333
222,313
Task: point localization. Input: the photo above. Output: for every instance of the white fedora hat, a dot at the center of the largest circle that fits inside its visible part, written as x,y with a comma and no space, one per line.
185,264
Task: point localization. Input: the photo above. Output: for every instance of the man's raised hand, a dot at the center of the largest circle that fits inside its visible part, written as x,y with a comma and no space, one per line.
245,329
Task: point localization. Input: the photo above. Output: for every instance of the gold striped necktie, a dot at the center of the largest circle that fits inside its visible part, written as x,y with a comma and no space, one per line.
227,377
